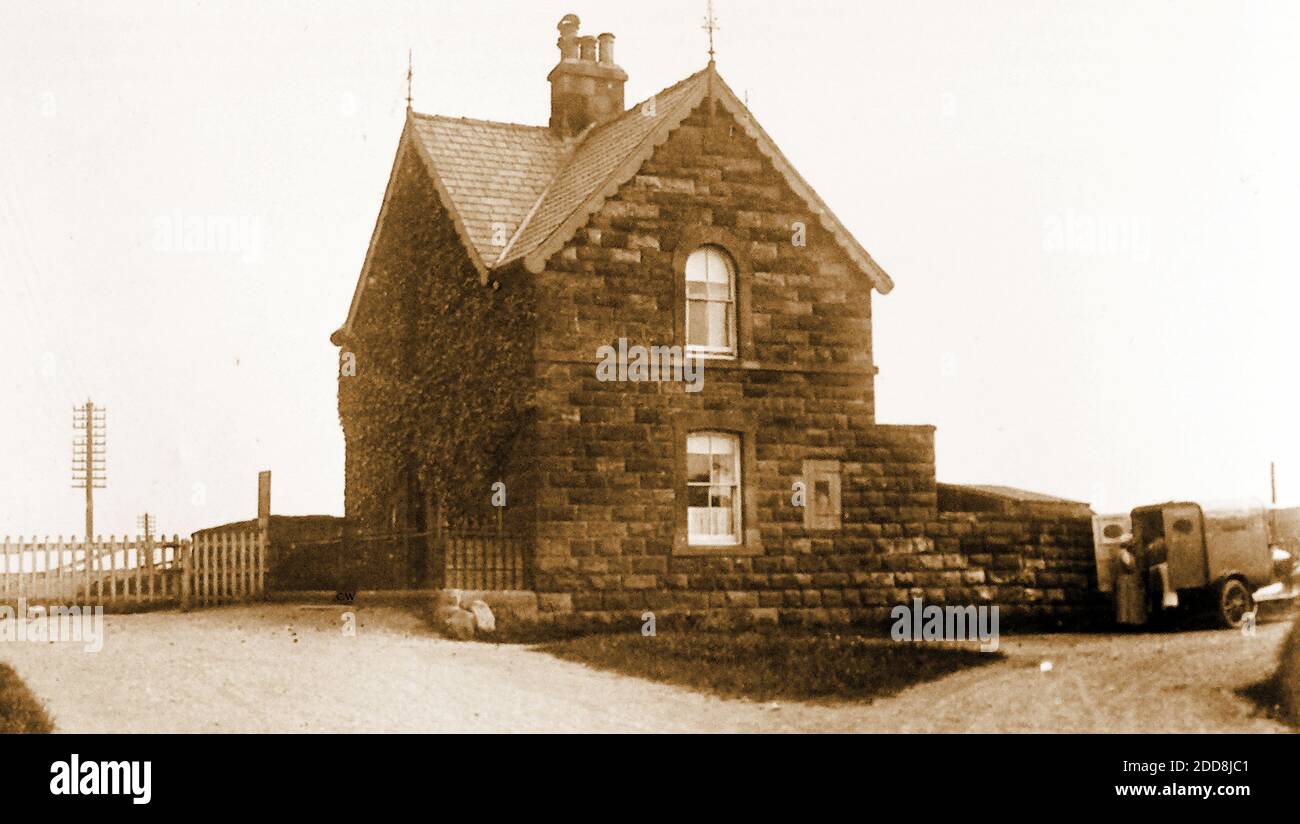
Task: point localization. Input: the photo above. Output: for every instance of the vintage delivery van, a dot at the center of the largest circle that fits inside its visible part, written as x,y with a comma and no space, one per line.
1186,555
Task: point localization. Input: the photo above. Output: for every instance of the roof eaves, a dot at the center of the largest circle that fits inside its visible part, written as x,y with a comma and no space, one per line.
883,283
338,337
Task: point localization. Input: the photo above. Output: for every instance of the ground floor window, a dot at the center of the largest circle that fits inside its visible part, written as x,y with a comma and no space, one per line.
714,478
713,494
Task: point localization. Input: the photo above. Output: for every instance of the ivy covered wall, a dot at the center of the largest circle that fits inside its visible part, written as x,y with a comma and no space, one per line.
435,377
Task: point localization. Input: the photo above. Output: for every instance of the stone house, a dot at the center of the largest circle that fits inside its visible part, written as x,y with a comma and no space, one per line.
767,490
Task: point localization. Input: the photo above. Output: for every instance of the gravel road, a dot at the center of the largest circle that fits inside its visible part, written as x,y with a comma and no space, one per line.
284,668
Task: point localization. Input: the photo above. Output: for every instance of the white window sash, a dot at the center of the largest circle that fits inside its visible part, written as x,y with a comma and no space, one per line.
730,314
708,514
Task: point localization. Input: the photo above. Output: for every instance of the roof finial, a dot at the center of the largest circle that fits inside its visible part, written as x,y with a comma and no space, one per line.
710,25
409,75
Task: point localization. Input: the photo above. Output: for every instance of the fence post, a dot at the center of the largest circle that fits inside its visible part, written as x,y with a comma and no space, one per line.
185,560
209,541
148,559
261,565
22,576
228,565
47,586
223,546
86,560
113,567
41,585
242,567
439,555
264,514
58,572
345,543
139,572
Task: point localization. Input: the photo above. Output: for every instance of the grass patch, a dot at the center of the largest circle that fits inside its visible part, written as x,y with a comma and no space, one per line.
19,709
775,664
1267,698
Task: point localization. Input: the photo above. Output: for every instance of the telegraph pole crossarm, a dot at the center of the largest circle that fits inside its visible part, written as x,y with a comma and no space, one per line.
89,460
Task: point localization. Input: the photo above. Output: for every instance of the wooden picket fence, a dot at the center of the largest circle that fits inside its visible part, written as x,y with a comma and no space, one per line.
141,571
454,557
483,559
223,568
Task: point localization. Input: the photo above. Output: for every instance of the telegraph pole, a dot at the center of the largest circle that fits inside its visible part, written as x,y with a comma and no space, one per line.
147,524
1272,479
88,457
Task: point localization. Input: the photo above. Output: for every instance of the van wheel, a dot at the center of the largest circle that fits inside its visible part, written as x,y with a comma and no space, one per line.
1235,601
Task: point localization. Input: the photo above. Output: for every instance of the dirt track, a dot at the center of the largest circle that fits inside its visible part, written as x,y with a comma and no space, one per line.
279,668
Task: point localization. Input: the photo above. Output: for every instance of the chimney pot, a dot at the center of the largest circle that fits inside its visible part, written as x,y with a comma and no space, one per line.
606,41
568,41
586,87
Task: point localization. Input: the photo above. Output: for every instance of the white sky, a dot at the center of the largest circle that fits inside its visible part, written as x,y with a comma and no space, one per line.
973,148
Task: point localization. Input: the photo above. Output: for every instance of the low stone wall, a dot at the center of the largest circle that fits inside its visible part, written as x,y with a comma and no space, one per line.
1038,570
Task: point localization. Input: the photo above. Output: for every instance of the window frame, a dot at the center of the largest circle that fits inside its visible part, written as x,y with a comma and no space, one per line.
737,535
815,520
689,240
743,427
730,349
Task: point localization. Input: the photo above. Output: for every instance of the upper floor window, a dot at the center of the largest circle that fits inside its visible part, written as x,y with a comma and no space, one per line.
711,302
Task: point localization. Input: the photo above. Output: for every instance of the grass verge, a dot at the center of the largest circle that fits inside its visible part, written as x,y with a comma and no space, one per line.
19,709
1278,696
763,666
1287,678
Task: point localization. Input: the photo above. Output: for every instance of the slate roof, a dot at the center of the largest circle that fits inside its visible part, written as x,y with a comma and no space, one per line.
1009,494
596,157
1014,494
493,173
534,189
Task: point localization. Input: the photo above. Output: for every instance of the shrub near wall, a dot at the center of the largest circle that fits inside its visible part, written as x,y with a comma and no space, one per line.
441,368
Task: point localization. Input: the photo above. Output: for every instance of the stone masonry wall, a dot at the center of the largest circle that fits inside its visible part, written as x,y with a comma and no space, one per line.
1038,569
803,381
605,451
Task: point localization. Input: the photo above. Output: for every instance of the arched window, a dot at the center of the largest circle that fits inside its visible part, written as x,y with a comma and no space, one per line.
711,302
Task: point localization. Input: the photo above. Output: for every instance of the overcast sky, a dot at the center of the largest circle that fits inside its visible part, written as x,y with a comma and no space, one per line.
1088,209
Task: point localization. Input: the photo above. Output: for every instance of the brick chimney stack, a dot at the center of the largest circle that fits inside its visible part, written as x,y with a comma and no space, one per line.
586,85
